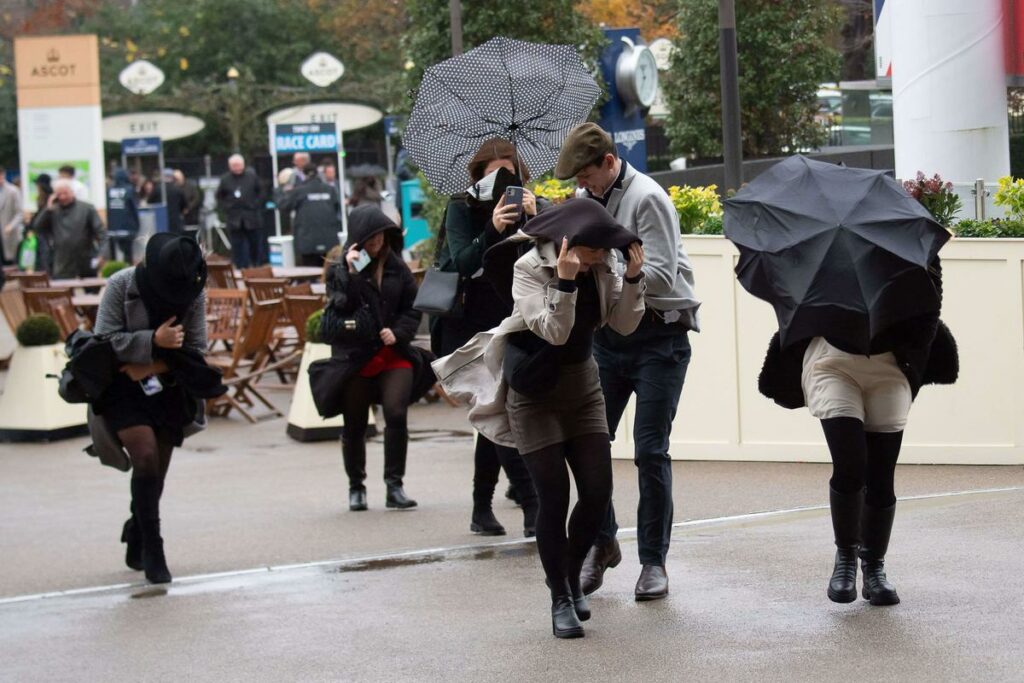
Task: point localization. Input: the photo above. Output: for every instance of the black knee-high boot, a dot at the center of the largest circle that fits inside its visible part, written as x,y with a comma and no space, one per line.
132,538
876,527
846,513
486,467
353,452
396,448
146,493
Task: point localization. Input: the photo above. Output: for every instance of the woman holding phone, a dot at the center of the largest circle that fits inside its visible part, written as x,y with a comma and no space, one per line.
476,220
388,370
533,381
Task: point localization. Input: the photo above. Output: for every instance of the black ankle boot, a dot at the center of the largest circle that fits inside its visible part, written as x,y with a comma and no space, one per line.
396,449
876,526
357,499
484,522
846,513
564,621
146,493
133,539
530,519
353,452
580,601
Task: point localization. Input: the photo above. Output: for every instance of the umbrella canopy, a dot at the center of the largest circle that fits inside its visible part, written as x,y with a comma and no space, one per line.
529,94
838,252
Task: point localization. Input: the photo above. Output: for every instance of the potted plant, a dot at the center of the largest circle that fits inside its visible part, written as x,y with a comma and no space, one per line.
699,209
30,407
304,422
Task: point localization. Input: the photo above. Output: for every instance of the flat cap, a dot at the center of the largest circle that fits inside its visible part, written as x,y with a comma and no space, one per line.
586,144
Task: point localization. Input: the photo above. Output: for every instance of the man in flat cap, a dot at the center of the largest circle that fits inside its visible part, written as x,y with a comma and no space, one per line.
652,361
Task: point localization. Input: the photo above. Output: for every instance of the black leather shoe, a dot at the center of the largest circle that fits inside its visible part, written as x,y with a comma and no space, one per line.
530,520
842,587
600,558
154,562
397,499
357,500
877,589
131,536
652,584
564,622
581,603
485,523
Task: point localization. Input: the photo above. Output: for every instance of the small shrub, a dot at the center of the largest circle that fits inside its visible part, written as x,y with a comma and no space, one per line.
313,327
111,267
695,205
712,226
1010,196
554,190
38,330
990,228
935,195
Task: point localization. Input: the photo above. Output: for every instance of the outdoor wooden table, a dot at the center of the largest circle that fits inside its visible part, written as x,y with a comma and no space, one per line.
319,288
295,274
88,305
77,283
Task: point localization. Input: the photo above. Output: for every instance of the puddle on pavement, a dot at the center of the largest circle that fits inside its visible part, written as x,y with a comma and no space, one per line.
454,556
149,593
388,563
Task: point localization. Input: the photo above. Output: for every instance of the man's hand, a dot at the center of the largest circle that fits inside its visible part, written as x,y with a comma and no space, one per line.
388,337
568,262
636,260
169,335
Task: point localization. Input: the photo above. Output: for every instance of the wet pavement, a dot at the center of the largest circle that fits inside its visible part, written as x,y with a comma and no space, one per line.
747,600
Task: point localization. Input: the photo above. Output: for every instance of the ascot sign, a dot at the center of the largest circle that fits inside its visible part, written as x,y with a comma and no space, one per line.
322,69
141,77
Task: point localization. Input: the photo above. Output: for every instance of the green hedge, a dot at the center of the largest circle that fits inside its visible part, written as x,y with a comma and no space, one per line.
38,330
990,228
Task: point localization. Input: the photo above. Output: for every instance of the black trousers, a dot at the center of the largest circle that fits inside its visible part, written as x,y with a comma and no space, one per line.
651,364
245,247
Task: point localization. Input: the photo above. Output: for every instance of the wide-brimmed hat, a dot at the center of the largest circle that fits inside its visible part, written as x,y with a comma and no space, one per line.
174,268
585,223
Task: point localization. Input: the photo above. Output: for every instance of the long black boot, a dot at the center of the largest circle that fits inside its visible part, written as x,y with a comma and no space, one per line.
486,467
396,448
846,511
132,539
146,493
353,452
565,622
876,527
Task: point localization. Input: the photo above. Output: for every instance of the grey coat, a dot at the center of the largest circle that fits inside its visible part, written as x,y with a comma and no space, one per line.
474,372
77,235
122,316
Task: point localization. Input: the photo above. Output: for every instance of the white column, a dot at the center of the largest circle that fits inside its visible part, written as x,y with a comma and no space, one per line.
949,89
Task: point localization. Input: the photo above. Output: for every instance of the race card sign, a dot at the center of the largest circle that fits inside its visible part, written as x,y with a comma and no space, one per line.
305,137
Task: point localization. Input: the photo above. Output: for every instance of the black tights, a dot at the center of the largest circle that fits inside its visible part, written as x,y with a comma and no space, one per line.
589,458
150,456
862,460
391,389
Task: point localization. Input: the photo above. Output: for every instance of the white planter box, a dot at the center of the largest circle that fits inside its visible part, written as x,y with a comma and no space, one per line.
979,420
304,423
30,407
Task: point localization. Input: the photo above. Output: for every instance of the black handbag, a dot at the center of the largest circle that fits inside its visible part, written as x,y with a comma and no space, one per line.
359,326
442,294
531,365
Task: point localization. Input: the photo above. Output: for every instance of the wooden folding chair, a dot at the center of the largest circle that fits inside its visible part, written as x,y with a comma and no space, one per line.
248,363
299,309
30,280
265,288
257,272
56,303
221,275
12,302
301,289
225,315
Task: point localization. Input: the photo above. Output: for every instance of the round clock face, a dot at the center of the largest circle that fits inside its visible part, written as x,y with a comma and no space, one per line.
646,77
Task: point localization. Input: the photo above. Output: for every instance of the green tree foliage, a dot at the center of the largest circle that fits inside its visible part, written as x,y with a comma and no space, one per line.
428,39
784,53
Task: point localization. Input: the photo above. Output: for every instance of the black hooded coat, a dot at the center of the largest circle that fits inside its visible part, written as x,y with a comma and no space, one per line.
391,302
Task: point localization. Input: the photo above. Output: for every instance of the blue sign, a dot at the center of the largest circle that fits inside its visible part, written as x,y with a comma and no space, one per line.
305,137
391,125
624,124
139,147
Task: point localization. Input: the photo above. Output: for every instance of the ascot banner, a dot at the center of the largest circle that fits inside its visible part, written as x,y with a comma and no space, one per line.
59,118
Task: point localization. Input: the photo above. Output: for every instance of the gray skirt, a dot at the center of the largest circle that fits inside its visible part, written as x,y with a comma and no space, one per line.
574,407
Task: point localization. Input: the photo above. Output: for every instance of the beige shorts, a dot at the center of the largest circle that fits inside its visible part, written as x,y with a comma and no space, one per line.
871,389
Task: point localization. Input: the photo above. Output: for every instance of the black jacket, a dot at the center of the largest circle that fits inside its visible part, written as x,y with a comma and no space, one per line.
122,205
176,206
316,223
239,197
924,348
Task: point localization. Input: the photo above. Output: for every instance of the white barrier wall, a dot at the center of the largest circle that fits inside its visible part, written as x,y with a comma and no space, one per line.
979,420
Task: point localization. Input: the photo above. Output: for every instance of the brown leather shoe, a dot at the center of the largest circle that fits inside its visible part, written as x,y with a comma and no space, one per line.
600,558
652,584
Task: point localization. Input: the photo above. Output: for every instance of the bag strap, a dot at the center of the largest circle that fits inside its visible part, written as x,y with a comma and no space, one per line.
442,237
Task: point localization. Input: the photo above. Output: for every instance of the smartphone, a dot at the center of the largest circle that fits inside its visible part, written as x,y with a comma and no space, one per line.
363,261
514,195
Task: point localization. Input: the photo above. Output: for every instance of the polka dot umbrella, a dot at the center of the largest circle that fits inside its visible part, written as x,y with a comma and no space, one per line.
527,93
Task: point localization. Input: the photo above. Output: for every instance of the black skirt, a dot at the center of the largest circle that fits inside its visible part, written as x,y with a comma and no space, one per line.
125,404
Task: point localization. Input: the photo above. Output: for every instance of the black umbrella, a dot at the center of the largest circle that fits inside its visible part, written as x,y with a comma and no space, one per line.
529,94
839,252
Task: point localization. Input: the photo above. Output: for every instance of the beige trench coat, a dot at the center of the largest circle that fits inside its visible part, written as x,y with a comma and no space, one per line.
473,373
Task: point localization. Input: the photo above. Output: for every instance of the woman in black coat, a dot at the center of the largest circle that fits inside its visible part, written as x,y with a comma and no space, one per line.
863,403
474,222
374,282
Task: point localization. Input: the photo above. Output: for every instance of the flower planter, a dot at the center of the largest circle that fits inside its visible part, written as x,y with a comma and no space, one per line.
30,407
304,423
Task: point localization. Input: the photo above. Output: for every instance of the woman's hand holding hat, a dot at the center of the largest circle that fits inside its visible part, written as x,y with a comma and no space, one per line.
568,262
636,260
